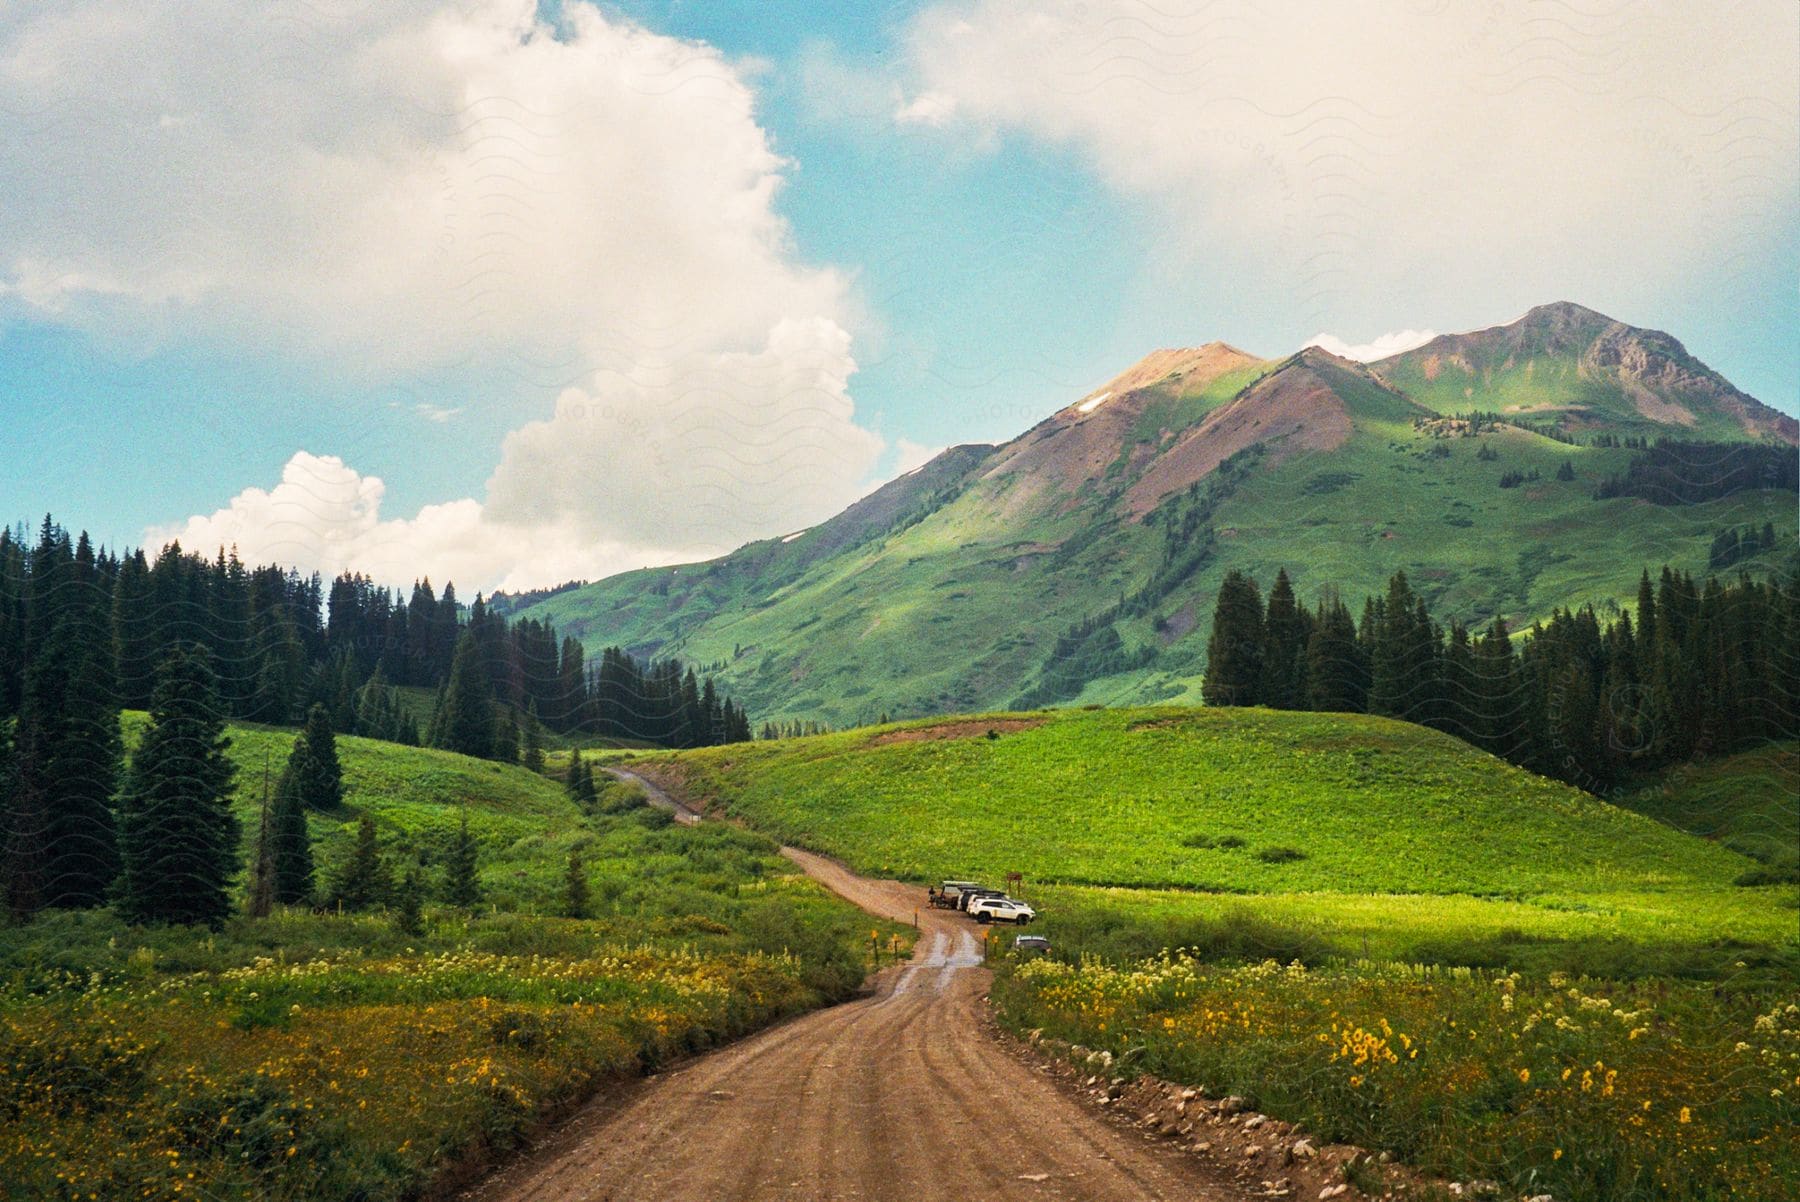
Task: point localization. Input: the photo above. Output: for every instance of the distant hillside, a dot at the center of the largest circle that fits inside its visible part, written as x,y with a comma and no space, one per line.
1079,561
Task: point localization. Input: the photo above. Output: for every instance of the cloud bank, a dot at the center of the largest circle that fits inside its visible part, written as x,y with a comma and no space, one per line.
325,516
1376,348
402,187
1331,160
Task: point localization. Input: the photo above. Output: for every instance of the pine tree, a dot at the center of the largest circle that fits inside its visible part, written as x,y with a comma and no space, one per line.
1235,651
289,842
575,888
1283,684
572,779
462,885
61,846
409,899
280,667
1336,673
1462,697
178,836
1402,671
507,738
434,728
314,761
532,753
586,793
572,700
261,899
133,630
468,705
364,879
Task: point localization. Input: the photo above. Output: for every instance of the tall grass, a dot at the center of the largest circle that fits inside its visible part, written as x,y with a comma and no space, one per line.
1607,1092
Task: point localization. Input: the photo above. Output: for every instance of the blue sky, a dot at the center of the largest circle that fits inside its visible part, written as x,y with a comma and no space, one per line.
989,207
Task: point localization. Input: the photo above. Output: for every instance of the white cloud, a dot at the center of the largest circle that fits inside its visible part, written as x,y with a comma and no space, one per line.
1378,348
392,185
910,456
707,450
928,108
412,187
325,516
1334,160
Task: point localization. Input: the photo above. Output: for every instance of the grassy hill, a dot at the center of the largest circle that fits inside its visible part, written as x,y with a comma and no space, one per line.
418,795
1111,523
1748,802
1344,827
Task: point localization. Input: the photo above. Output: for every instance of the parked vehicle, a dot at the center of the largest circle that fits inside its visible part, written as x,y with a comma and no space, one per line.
969,897
1034,945
949,895
1001,909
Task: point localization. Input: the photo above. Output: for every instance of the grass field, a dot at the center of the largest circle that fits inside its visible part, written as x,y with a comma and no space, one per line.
317,1055
1648,1091
1344,827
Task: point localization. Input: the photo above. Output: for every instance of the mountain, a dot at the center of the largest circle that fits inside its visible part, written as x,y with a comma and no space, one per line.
1584,371
1078,562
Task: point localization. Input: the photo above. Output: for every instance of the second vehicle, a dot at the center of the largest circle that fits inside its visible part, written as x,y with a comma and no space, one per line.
1001,909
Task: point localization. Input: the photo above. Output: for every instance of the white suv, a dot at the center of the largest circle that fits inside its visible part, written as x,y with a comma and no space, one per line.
1001,909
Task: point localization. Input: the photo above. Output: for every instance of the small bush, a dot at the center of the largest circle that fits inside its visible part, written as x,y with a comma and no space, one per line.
1280,855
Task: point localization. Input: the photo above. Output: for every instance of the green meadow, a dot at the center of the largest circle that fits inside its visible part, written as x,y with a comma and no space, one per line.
1352,834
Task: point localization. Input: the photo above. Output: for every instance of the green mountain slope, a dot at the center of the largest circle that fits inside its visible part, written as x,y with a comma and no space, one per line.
1079,561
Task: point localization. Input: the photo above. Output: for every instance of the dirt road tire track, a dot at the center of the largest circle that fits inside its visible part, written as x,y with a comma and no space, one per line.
901,1095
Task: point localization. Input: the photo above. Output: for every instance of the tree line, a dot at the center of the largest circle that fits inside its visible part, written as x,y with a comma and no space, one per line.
1689,473
196,642
1697,668
280,642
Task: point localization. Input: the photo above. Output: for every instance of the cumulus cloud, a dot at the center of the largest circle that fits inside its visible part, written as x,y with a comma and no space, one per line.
748,443
1338,158
1378,348
415,187
395,185
325,516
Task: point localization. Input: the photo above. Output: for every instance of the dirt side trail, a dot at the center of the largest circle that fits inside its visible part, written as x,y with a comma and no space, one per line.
899,1096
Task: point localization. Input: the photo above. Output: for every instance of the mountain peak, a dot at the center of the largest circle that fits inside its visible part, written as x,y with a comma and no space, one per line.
1566,365
1564,312
1194,365
1318,356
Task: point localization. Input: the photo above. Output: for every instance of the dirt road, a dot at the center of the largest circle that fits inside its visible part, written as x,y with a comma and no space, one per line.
658,798
899,1096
